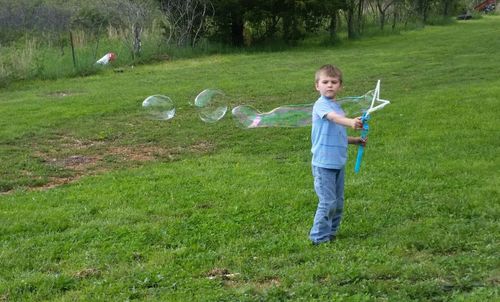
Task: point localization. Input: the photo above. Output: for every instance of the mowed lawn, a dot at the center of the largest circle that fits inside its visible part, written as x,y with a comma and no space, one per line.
100,203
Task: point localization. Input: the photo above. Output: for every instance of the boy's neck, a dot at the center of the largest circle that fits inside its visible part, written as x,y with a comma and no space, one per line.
330,99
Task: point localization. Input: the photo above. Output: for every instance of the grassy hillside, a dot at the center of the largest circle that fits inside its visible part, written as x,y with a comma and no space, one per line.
100,203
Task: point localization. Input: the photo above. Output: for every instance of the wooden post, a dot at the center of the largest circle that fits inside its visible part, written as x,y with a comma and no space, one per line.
72,48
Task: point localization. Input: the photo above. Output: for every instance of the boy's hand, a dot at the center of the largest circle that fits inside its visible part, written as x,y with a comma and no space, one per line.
357,140
357,124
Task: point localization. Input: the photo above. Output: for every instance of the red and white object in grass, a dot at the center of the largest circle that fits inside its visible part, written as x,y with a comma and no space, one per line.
107,58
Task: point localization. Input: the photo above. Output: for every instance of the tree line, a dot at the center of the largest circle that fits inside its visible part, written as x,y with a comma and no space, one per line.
291,20
234,22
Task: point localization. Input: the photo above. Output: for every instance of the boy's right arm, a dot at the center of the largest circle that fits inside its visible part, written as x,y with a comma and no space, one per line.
354,123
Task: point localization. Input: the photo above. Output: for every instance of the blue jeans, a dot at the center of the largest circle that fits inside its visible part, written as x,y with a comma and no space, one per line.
329,186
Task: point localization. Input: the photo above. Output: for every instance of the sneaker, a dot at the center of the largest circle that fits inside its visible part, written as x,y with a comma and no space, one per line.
319,242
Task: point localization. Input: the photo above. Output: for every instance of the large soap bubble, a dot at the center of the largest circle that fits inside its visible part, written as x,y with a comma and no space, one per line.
296,115
354,106
284,116
211,105
159,107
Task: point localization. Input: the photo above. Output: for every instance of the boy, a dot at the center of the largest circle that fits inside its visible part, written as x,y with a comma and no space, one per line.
329,153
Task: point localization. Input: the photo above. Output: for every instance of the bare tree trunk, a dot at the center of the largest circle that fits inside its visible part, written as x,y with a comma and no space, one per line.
334,24
446,8
237,28
360,15
394,19
382,20
137,41
351,33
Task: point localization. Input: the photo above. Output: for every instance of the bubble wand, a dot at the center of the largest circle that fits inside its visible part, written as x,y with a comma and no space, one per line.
365,118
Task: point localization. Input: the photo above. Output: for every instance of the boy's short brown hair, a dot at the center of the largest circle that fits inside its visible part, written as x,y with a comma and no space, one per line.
329,70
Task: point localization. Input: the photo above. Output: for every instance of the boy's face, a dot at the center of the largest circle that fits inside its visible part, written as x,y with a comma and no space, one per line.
328,86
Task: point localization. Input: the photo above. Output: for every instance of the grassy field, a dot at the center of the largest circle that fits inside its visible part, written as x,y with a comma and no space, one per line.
99,203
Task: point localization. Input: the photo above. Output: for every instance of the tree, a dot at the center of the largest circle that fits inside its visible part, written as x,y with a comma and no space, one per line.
185,20
315,14
349,8
229,20
382,6
135,16
423,7
448,7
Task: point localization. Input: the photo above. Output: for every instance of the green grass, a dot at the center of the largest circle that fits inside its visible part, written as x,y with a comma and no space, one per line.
35,58
181,210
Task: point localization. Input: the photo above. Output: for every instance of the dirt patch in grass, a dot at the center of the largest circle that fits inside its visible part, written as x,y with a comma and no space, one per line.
221,273
70,158
80,162
258,285
90,162
269,282
202,147
87,273
140,153
58,181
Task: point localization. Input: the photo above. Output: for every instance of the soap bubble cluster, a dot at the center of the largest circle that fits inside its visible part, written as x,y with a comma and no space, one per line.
212,105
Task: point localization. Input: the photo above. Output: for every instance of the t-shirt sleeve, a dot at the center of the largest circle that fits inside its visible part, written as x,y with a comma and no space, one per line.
321,109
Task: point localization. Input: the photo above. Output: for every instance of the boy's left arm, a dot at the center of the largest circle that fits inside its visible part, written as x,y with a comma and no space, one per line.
356,140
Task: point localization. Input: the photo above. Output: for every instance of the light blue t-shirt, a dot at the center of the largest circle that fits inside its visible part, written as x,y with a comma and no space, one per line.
329,140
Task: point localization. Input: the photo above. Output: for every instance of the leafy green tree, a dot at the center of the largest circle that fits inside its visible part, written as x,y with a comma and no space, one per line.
261,20
449,7
229,20
423,8
321,12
